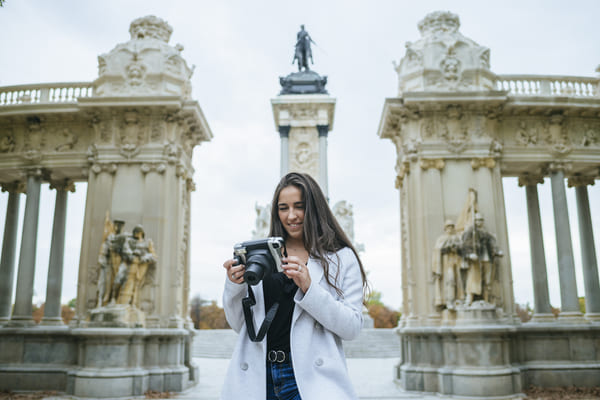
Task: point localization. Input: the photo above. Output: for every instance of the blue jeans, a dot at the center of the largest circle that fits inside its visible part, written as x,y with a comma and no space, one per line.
281,383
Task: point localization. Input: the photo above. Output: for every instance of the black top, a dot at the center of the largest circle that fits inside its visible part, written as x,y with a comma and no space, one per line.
279,288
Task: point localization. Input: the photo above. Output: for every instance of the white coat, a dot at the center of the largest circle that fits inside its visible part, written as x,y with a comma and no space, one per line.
320,321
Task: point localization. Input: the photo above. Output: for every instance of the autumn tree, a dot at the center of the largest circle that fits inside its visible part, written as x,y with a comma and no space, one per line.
383,316
207,314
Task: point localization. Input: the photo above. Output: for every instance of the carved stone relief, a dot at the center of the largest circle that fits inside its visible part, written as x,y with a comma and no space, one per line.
7,142
304,152
67,140
591,135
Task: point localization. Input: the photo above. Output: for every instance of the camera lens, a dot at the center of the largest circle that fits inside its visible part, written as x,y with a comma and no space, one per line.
257,264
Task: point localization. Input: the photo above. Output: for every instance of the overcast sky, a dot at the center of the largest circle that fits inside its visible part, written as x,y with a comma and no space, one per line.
239,49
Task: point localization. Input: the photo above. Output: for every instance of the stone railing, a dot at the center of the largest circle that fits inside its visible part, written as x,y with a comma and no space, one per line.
538,85
43,93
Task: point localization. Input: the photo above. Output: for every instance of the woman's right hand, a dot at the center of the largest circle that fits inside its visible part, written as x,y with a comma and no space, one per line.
235,273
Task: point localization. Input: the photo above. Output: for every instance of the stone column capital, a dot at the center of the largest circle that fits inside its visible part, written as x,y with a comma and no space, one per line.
284,131
530,180
33,172
402,170
488,162
63,185
13,187
109,168
428,163
560,166
580,180
323,130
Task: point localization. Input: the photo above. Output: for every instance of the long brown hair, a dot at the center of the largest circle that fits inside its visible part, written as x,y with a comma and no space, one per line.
321,232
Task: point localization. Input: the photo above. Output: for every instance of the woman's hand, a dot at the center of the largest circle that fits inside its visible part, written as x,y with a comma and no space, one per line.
235,273
296,270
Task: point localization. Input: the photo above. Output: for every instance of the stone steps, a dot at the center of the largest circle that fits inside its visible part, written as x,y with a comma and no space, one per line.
371,343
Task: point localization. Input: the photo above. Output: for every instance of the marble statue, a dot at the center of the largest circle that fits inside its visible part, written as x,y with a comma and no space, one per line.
110,260
263,221
447,267
480,252
143,258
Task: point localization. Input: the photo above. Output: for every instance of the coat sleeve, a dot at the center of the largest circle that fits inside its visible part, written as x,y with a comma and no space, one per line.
232,304
342,316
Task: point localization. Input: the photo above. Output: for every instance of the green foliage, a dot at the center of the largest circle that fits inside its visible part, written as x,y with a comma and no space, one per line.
582,304
2,3
72,303
374,298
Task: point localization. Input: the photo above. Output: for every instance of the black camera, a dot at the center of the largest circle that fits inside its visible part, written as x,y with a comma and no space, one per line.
261,257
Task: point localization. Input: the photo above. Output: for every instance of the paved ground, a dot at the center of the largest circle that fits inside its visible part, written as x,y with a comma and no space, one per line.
372,379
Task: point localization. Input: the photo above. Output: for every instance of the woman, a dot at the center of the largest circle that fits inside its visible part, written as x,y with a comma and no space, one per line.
320,295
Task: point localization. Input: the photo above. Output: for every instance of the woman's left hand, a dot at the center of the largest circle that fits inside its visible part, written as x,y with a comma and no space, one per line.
296,270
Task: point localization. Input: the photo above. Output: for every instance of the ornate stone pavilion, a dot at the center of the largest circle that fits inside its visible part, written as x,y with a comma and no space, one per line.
459,129
129,134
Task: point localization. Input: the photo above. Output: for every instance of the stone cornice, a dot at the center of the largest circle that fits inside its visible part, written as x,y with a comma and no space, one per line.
303,110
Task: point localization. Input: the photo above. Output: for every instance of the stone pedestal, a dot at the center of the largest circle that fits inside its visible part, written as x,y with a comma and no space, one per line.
116,316
309,118
96,362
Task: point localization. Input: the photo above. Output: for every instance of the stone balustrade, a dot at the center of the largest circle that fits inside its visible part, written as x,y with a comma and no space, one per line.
539,85
40,93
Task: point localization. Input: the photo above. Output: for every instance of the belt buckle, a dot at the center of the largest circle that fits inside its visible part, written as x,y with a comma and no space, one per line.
276,356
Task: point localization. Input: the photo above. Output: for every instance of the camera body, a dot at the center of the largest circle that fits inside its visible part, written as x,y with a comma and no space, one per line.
261,257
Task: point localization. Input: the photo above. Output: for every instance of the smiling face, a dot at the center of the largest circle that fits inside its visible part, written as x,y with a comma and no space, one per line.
290,208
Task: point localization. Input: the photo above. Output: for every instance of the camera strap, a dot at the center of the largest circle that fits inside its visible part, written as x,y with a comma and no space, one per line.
247,303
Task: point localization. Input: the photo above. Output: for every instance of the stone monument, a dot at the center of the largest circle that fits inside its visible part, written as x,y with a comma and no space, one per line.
130,135
458,129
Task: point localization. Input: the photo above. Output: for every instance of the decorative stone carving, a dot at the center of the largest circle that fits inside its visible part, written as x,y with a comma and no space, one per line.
171,152
110,168
525,135
69,139
401,170
263,221
7,143
13,187
304,154
342,210
144,65
496,148
590,137
66,185
443,59
159,168
530,180
580,180
437,163
487,162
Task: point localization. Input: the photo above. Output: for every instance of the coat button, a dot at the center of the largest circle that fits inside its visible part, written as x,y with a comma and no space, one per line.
244,366
319,362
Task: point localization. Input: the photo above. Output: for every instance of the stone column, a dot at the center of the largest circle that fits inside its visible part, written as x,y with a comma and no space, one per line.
323,177
588,252
284,134
564,246
24,296
52,308
542,311
9,244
